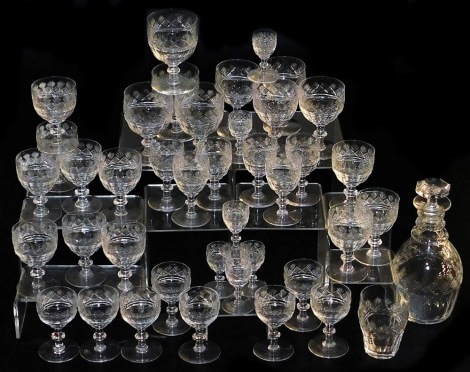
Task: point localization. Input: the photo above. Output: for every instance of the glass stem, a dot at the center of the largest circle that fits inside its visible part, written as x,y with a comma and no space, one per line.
374,242
236,238
141,336
258,183
214,187
99,336
303,307
120,202
273,337
37,282
320,133
199,338
191,207
85,263
351,193
282,203
302,186
172,310
125,284
347,266
329,331
166,187
40,210
82,202
58,337
173,75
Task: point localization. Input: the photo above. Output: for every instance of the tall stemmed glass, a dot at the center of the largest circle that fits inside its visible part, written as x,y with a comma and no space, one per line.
330,303
215,260
172,35
256,250
240,124
98,306
274,306
57,306
238,269
170,279
199,307
235,214
321,100
264,41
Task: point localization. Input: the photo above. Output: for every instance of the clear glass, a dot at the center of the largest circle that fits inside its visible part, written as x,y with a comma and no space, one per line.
235,214
238,269
240,124
264,41
215,260
256,250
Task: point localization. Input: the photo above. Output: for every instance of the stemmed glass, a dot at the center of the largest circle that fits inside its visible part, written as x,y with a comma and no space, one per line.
321,100
199,307
57,306
215,260
300,276
235,214
82,234
172,35
256,250
98,306
264,41
123,244
238,269
170,279
140,307
240,124
35,243
274,306
330,303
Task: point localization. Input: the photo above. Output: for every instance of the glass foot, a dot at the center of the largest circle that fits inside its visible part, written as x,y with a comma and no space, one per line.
290,128
165,84
266,199
209,354
54,207
130,353
306,201
29,292
356,275
238,307
203,200
307,324
381,256
197,219
168,133
63,185
325,154
283,352
290,218
74,276
69,205
250,289
111,351
133,212
176,202
338,349
178,328
263,76
224,288
46,351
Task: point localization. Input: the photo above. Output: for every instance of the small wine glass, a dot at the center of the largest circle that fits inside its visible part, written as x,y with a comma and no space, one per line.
170,279
123,244
82,234
256,250
57,306
199,307
330,303
140,307
300,276
235,214
240,124
98,306
215,260
274,306
238,269
264,41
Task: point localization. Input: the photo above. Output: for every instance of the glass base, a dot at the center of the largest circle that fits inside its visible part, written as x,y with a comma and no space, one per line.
271,216
283,352
88,352
160,326
164,84
223,131
54,207
176,202
197,219
63,185
224,288
384,256
69,205
203,200
310,323
96,276
130,353
244,306
290,128
250,289
305,201
340,348
333,270
167,133
268,198
26,290
325,154
133,212
263,76
46,351
188,354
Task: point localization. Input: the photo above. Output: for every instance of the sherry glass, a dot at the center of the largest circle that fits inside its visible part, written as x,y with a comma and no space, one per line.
98,306
330,303
321,100
191,173
274,306
238,269
215,260
256,250
140,307
300,276
119,170
80,166
57,306
264,41
82,234
37,173
35,243
147,113
199,307
170,279
240,124
161,154
172,35
235,214
256,146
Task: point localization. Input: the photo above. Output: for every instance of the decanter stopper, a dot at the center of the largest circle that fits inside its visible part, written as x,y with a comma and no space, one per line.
427,266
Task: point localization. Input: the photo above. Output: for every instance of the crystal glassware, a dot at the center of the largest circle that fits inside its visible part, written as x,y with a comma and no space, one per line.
240,124
199,307
264,41
256,250
215,260
57,306
235,214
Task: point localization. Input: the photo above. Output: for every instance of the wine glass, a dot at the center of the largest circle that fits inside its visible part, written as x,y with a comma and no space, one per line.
274,306
172,35
98,306
308,148
240,124
140,307
283,174
57,306
264,41
235,214
147,113
35,243
256,250
37,173
119,170
238,269
170,279
191,173
199,307
300,276
215,260
82,234
321,100
80,166
123,244
330,303
256,146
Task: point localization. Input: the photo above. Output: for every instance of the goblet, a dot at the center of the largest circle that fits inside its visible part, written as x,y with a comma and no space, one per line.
238,269
308,148
256,146
35,243
172,35
321,100
300,276
199,307
235,214
82,234
283,174
80,166
98,306
147,113
330,303
57,306
274,306
240,124
191,173
170,279
140,307
256,250
219,152
119,170
37,173
215,260
264,41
